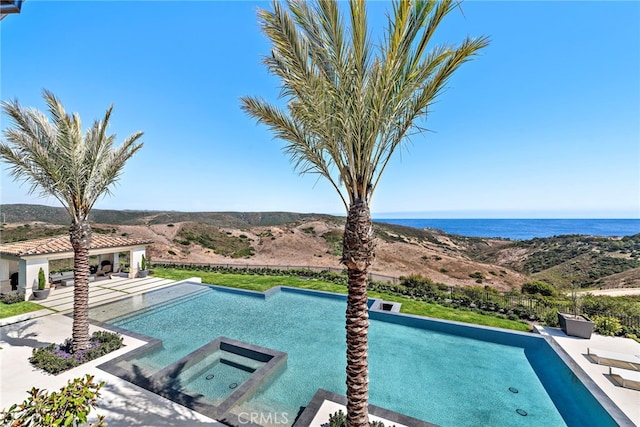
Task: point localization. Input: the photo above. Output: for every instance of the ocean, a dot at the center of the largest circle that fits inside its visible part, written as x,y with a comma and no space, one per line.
524,229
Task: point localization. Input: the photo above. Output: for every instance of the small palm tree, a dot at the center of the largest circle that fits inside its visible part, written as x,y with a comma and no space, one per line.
56,159
349,106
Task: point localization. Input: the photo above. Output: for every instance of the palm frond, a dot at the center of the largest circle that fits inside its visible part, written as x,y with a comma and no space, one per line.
349,104
55,158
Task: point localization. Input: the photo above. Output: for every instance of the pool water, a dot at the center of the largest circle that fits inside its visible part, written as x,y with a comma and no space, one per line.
446,374
217,375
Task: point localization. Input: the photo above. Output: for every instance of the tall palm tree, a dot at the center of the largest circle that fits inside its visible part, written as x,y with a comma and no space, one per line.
56,159
349,105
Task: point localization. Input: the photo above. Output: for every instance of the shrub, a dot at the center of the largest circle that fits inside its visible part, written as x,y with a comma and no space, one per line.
550,318
339,419
538,287
41,279
58,358
11,298
632,337
607,325
477,275
70,406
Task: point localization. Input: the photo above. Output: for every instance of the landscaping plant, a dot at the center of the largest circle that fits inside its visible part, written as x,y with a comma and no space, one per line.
607,325
41,280
56,358
75,166
352,100
68,407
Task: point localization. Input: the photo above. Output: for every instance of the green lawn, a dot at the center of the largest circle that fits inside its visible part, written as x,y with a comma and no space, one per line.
409,306
8,310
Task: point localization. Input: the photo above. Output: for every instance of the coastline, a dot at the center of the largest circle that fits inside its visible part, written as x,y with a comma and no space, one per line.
522,228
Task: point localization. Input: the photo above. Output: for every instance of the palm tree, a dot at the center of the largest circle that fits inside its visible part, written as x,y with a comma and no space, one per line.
349,106
56,159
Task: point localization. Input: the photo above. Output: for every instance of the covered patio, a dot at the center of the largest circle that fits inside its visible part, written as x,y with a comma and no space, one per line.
26,258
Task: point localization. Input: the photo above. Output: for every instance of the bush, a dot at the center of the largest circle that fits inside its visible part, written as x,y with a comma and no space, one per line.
478,276
550,318
11,298
339,419
42,281
607,325
69,407
538,287
58,358
632,337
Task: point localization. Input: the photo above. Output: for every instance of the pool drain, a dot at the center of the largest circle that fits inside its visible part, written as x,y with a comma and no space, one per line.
513,389
233,385
209,377
521,412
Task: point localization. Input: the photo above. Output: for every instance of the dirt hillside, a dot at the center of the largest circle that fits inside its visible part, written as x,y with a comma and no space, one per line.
303,244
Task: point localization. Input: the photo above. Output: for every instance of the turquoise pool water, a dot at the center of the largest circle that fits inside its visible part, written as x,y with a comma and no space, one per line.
446,374
217,375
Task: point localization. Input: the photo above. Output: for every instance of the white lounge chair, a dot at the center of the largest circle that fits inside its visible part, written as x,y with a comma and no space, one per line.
610,358
626,378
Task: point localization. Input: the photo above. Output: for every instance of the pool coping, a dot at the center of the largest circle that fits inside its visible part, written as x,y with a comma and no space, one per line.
376,312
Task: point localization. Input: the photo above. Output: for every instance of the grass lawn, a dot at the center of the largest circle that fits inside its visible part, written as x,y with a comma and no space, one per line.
8,310
409,306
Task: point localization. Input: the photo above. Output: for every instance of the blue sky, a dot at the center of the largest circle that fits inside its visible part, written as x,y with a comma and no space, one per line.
544,123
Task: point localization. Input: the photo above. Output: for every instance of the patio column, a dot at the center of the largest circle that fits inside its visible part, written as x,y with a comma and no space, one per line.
7,267
116,261
28,274
135,261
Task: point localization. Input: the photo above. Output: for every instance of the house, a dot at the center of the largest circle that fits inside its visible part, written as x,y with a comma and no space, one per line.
27,257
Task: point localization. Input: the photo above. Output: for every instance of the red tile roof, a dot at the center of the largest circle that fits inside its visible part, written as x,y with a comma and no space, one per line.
57,244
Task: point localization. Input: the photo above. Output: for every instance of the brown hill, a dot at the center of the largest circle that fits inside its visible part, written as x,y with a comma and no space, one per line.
293,239
317,243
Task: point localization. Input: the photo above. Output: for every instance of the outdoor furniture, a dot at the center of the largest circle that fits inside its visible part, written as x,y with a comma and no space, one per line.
626,378
105,269
610,358
70,282
61,278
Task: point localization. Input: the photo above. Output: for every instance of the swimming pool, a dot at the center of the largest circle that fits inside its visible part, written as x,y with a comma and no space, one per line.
443,373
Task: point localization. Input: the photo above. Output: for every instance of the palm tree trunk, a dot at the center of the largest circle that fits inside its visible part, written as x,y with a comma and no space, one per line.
80,235
357,255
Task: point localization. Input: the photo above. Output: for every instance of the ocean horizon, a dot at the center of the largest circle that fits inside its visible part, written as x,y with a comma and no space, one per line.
523,229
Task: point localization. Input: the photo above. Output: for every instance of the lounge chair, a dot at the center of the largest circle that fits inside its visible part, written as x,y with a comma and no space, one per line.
626,378
105,269
618,360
